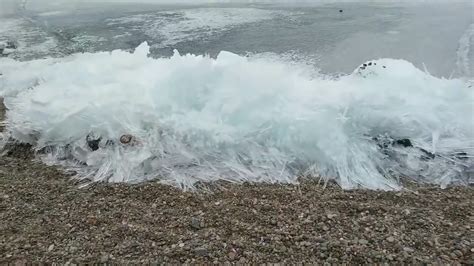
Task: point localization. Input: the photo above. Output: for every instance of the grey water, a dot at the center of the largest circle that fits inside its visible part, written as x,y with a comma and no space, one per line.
335,37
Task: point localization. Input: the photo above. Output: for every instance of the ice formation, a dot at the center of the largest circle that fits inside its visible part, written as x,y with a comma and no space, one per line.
173,27
125,117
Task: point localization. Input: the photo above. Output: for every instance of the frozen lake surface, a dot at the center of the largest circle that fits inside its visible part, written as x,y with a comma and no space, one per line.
437,35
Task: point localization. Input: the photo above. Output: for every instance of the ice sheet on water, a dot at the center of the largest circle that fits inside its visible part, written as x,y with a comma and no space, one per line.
31,40
194,118
176,26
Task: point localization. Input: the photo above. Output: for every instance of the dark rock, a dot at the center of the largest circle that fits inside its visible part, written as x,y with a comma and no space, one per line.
461,155
427,155
11,45
403,142
93,142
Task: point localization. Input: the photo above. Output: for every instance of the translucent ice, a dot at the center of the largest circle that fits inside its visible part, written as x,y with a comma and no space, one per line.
193,118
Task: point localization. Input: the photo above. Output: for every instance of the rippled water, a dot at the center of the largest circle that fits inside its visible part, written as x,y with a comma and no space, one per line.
427,35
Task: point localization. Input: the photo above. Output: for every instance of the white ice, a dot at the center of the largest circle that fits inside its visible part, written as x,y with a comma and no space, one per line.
234,118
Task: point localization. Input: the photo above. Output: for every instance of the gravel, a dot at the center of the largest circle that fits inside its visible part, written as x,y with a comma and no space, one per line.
48,217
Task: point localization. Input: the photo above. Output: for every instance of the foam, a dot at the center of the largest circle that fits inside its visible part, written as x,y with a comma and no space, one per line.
232,118
173,27
32,40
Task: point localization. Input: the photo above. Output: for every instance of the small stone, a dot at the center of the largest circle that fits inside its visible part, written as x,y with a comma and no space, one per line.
201,251
319,240
458,253
325,228
408,249
390,239
71,173
104,258
196,223
91,220
305,243
181,245
363,242
51,247
232,255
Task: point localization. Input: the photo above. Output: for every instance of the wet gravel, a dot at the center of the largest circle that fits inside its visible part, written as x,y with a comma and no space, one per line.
47,217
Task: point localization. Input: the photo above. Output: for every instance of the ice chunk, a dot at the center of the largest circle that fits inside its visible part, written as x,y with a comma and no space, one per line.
142,50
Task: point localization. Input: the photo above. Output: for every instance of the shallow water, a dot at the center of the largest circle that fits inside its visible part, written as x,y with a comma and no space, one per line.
428,35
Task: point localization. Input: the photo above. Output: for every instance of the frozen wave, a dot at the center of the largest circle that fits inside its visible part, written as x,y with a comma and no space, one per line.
125,117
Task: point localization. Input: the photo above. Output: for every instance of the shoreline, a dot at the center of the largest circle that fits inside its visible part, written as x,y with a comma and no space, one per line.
47,217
